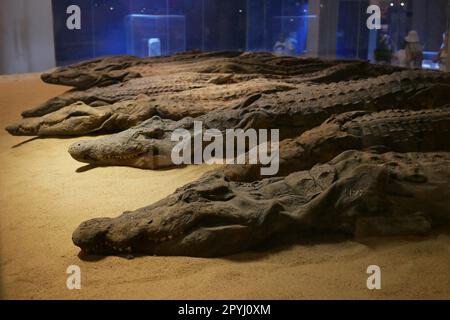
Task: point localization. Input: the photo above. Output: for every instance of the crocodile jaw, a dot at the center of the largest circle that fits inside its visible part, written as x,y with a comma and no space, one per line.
185,227
145,156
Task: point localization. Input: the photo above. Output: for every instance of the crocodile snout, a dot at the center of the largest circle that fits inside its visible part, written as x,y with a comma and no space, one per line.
22,130
81,151
13,129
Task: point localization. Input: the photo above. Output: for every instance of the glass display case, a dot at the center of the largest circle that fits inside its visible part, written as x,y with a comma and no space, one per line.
320,28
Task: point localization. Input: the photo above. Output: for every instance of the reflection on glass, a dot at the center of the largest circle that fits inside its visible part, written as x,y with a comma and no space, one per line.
155,35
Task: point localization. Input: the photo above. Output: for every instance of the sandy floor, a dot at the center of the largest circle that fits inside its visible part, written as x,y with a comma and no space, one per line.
43,198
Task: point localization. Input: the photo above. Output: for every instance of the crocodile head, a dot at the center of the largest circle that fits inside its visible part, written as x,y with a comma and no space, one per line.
146,146
76,119
99,72
206,218
80,119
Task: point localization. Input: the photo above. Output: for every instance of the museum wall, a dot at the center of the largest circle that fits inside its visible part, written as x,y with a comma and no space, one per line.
26,34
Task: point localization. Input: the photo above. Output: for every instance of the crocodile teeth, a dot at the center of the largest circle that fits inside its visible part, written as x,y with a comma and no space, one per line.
162,239
125,157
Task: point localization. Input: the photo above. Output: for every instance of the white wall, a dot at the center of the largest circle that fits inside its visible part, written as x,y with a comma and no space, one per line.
26,36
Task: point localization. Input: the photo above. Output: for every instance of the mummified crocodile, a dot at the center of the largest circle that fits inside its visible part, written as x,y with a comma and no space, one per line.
115,69
81,119
292,112
358,193
285,67
166,86
109,70
396,130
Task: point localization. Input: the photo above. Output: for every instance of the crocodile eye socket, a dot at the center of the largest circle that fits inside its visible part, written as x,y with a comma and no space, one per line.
78,114
153,134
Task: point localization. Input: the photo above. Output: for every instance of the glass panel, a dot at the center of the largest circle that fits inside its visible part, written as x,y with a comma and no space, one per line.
329,29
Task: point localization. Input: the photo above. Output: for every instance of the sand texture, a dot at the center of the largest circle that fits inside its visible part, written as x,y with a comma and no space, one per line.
45,194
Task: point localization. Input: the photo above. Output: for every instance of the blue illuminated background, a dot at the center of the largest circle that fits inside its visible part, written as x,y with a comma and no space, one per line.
211,25
127,26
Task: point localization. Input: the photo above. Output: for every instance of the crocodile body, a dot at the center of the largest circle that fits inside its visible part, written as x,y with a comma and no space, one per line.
110,70
150,86
296,111
358,194
267,65
397,130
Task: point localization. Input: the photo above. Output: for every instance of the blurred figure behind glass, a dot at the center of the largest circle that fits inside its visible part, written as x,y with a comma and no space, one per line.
413,50
383,52
442,56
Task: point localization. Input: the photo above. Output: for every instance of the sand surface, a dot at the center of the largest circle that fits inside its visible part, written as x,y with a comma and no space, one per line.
43,198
